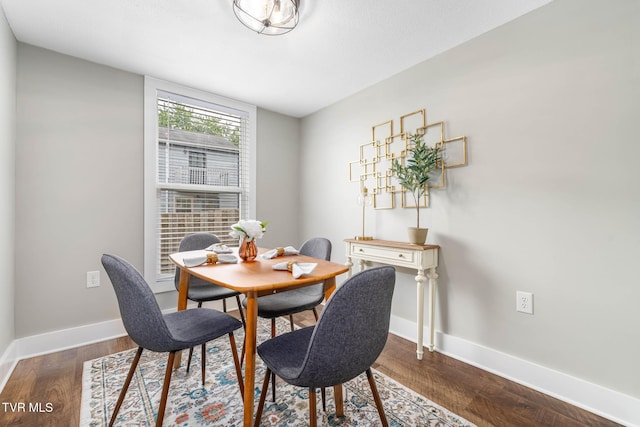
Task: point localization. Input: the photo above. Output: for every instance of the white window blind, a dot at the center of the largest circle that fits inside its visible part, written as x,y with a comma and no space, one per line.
202,180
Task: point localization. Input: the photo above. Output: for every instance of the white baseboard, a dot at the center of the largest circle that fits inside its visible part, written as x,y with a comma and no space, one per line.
36,345
607,403
51,342
8,363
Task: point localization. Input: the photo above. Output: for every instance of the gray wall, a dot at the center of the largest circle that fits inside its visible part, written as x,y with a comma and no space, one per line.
278,151
79,186
8,49
549,201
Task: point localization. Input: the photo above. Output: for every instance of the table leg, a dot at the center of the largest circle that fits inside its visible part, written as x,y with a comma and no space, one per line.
349,264
329,288
420,279
433,276
183,291
251,319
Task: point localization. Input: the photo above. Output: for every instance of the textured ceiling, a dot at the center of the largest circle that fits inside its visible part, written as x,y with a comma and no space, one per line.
339,48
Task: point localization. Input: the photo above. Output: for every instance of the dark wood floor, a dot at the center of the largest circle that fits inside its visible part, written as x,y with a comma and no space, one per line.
480,397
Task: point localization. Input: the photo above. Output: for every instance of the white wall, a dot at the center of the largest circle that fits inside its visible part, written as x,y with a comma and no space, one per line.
8,49
79,183
549,201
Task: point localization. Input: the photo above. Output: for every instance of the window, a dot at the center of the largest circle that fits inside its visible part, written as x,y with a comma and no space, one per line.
198,167
199,170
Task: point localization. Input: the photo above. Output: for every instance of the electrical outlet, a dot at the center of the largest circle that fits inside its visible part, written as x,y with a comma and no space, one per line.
93,279
524,302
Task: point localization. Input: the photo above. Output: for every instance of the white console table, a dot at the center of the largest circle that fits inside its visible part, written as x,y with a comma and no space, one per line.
423,258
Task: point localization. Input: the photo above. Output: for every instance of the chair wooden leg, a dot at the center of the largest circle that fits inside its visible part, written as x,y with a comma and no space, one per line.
291,322
189,359
125,386
224,305
263,396
376,397
273,387
191,349
244,345
273,376
204,360
313,415
165,389
315,313
244,323
232,341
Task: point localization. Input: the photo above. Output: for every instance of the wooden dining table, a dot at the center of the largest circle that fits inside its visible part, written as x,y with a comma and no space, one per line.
255,279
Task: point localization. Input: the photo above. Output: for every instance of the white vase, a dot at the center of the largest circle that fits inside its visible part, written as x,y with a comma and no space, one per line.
418,236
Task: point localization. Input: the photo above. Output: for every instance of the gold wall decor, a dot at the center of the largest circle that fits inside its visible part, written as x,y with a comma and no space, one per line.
374,168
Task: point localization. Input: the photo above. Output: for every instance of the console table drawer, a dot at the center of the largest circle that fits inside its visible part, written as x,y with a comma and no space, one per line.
374,253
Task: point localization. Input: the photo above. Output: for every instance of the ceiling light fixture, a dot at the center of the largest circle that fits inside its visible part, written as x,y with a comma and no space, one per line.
270,17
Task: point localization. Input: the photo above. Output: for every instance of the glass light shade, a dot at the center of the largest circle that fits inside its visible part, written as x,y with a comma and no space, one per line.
364,198
270,17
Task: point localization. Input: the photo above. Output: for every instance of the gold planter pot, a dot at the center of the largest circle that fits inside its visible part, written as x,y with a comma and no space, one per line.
417,236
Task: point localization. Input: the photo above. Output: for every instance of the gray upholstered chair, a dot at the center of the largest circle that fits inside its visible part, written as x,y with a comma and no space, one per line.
154,331
199,290
299,300
344,343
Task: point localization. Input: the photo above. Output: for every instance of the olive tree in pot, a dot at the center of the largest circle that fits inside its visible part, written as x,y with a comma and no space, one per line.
414,176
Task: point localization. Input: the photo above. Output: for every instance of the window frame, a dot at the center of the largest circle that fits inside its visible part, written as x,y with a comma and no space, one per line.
151,87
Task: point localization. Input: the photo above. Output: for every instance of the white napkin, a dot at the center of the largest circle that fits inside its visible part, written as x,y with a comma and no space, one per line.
219,248
289,250
195,261
227,259
297,268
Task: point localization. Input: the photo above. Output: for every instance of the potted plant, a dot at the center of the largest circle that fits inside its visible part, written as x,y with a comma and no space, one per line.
414,175
248,231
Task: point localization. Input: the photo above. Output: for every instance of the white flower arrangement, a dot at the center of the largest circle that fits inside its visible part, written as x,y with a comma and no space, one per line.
249,228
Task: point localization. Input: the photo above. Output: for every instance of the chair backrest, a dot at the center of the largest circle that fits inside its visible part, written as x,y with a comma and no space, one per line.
139,309
351,331
317,247
192,242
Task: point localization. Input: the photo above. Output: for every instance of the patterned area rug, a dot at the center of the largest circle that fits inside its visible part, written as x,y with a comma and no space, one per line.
218,403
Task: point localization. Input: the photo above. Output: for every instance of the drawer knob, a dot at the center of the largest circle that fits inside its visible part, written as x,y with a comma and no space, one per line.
361,250
401,256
